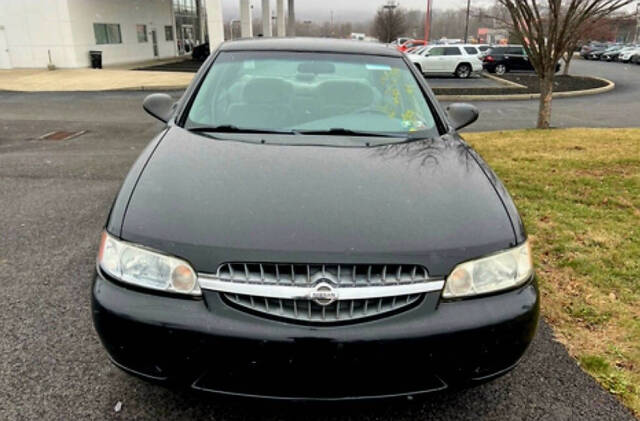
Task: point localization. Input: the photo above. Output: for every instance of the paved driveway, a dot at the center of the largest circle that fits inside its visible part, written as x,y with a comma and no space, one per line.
54,198
475,81
618,108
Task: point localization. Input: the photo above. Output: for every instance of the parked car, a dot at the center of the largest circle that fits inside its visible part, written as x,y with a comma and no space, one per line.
400,41
315,240
459,60
592,46
596,54
508,58
200,52
421,50
626,56
414,49
410,44
613,54
471,49
483,48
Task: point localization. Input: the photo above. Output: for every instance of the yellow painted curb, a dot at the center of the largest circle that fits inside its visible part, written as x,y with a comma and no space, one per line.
503,81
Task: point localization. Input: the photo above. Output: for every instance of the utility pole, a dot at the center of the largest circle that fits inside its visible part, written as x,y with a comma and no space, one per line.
466,27
331,31
390,6
638,22
291,30
427,22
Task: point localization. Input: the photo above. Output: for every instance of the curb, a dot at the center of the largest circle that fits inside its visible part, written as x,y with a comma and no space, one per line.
519,97
123,89
152,88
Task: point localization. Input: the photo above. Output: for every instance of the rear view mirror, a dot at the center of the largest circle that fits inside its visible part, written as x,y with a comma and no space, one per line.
462,115
316,67
159,106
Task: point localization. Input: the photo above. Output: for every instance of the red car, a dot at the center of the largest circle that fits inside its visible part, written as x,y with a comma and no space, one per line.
411,44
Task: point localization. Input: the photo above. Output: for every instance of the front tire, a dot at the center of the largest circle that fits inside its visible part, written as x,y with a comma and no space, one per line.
463,71
501,69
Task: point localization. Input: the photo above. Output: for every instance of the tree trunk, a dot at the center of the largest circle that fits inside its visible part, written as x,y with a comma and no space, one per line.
546,94
567,62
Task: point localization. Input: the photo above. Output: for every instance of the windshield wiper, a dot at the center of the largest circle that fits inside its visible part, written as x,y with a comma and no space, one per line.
230,128
339,131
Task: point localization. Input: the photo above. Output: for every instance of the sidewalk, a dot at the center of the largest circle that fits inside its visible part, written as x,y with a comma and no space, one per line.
42,80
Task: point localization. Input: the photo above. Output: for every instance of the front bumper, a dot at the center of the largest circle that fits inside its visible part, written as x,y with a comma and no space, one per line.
208,345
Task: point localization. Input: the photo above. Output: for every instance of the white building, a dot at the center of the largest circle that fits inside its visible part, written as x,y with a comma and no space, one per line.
31,31
36,33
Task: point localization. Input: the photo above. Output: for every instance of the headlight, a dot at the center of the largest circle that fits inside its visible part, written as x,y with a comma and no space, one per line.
145,268
500,271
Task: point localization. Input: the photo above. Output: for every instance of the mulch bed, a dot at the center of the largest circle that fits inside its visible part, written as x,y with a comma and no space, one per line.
561,84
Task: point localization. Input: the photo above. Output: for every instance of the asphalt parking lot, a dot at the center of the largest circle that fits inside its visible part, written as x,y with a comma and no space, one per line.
55,196
618,108
475,81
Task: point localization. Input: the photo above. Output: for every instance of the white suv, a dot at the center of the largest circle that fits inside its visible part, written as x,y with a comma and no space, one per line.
459,60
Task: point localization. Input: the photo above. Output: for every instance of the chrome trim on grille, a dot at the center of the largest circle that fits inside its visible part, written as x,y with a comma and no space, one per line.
302,292
310,311
321,292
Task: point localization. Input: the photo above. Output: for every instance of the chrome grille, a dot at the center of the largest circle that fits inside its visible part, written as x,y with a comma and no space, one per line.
321,292
302,275
307,310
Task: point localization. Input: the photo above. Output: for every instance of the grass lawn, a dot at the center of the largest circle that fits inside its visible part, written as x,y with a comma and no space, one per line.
578,191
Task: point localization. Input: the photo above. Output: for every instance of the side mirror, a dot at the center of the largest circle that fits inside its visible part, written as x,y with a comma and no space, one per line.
159,106
461,115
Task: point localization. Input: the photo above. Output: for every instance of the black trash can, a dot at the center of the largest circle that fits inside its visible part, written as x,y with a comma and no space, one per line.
96,59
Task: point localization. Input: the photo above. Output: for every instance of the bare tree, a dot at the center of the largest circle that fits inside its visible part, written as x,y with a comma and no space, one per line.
389,23
546,28
591,30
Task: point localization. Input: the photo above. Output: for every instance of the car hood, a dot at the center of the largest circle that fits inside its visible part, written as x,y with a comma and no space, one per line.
214,201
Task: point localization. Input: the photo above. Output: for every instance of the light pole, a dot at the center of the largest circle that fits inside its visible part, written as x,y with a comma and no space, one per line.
466,27
390,7
638,22
427,22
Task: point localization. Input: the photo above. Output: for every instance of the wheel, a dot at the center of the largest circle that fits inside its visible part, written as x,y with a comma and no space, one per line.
501,69
463,71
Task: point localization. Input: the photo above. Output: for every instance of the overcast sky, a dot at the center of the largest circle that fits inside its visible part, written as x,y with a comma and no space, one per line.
352,10
348,10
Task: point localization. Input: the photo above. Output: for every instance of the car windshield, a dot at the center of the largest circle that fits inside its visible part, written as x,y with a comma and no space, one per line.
300,93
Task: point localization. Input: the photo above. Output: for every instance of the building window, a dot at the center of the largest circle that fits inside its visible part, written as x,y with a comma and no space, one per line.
168,33
142,33
107,33
185,7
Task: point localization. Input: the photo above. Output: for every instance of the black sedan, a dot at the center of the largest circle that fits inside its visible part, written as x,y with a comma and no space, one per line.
309,225
508,58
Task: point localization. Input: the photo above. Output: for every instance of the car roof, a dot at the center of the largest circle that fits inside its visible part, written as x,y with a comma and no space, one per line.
324,45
